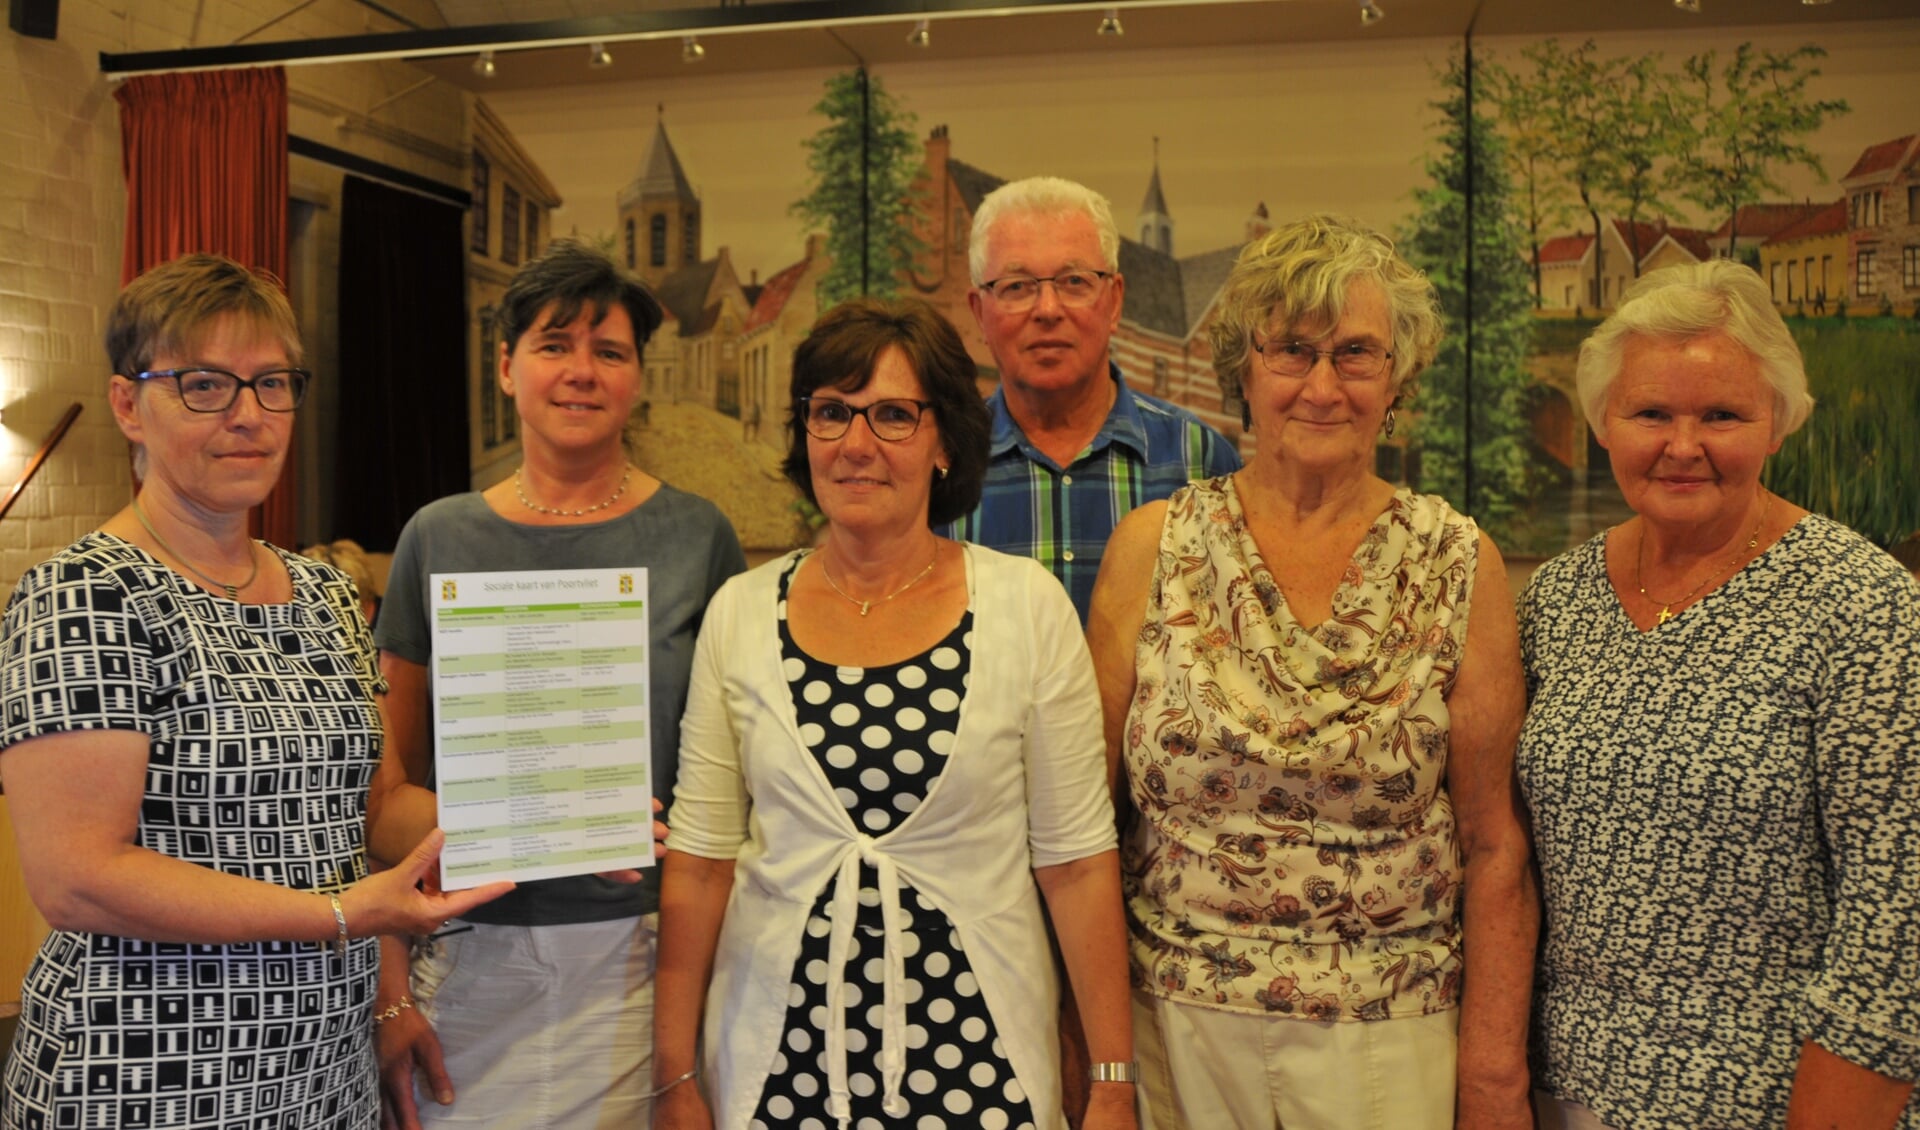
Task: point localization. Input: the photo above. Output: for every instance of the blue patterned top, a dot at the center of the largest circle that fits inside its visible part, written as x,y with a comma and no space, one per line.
1062,516
1725,816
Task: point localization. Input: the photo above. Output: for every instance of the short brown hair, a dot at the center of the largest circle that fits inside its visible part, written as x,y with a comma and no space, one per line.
841,352
166,309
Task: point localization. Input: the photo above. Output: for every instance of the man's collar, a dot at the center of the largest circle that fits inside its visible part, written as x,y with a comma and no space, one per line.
1122,425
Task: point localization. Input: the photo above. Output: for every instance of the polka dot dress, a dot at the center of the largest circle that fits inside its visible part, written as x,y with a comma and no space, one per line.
882,735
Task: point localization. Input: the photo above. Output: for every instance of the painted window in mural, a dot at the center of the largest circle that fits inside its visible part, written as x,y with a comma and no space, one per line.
533,229
489,387
509,225
657,241
482,204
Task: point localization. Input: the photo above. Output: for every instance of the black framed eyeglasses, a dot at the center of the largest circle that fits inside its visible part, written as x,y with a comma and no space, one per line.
1354,361
215,390
1074,288
890,420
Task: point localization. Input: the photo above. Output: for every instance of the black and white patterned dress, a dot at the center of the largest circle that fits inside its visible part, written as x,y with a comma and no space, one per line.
956,1072
264,737
1725,816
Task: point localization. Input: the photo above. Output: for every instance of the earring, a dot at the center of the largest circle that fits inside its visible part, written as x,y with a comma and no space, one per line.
941,471
1389,427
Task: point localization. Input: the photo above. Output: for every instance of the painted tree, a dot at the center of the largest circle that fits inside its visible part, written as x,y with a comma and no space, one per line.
861,169
1745,121
1522,110
1574,88
1645,127
1463,235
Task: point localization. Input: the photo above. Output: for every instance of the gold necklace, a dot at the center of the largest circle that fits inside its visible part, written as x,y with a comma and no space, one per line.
867,605
581,513
1666,606
233,591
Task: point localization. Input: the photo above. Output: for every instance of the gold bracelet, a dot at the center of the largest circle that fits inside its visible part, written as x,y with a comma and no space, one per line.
340,925
392,1010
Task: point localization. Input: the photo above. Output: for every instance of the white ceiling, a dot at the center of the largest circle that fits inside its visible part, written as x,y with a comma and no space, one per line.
962,35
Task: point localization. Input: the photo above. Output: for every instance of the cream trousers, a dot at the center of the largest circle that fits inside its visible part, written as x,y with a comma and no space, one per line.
543,1027
1203,1069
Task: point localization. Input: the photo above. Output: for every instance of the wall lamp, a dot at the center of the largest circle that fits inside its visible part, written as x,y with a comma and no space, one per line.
1371,13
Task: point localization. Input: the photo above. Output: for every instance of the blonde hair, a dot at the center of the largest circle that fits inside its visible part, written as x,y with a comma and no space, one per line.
347,556
166,309
1299,274
1682,302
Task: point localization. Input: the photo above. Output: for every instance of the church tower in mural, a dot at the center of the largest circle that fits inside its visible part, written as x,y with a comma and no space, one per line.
659,214
1156,223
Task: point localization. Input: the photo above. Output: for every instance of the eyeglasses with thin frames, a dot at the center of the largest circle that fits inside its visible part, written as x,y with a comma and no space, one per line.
215,390
891,420
1353,361
1073,288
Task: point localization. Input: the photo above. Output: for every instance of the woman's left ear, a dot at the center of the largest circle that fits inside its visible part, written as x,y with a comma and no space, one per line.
123,399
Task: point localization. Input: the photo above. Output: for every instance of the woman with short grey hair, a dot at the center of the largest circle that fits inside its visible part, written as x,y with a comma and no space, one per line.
1718,754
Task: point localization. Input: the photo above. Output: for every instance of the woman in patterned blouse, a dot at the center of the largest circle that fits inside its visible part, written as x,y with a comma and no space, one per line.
1719,754
189,735
1314,680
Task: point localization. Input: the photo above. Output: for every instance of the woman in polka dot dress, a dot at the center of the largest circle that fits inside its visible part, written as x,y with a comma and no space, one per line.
892,756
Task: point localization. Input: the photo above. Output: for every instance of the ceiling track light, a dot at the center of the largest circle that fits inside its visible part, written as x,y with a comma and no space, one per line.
1371,13
483,66
598,56
920,36
1691,7
1815,3
690,49
1110,23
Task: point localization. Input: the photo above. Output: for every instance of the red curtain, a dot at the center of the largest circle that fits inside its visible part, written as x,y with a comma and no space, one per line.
205,157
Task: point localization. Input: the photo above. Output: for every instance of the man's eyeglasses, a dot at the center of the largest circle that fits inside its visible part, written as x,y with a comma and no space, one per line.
891,420
1073,288
215,390
1354,361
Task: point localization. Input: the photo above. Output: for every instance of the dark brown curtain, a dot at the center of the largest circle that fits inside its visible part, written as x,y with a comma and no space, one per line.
205,158
403,360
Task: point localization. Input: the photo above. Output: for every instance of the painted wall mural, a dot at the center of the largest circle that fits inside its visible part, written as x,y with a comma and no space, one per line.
1533,180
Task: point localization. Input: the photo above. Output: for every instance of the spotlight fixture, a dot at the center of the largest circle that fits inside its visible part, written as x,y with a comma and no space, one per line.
1371,13
483,66
1690,6
598,56
919,36
690,49
1110,23
1815,3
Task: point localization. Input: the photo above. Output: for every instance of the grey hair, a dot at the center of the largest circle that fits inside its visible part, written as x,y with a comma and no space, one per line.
1297,275
1686,301
1046,196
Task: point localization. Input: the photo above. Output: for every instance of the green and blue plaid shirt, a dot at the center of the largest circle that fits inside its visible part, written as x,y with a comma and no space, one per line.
1062,517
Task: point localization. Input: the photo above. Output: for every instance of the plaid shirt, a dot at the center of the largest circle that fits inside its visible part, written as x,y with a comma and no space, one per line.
1146,449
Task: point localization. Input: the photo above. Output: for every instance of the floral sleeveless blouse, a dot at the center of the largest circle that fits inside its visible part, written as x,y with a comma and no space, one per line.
1293,852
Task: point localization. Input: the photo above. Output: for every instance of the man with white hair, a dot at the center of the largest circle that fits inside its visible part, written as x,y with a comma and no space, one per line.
1073,448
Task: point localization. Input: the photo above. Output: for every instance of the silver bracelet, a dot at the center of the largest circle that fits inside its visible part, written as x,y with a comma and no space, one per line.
1120,1072
340,925
671,1084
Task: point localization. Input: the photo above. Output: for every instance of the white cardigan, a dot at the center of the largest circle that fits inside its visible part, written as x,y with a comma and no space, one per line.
1024,787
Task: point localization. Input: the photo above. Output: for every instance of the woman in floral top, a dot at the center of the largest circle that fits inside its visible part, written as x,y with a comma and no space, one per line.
1314,681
